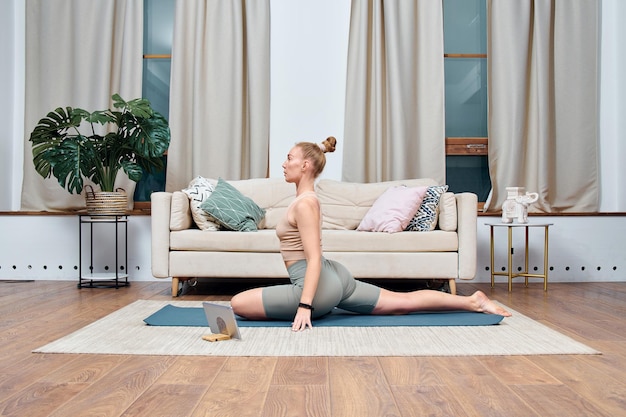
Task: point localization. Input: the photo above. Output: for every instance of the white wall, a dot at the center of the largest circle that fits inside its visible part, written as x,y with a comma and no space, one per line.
580,249
309,46
613,106
46,247
309,43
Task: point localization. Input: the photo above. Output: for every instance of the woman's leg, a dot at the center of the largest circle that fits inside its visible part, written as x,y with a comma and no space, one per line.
391,302
249,304
280,302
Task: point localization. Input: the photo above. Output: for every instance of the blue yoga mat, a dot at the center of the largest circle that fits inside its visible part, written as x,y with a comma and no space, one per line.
194,317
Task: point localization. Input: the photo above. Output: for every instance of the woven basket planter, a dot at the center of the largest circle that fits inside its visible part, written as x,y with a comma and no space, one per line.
113,203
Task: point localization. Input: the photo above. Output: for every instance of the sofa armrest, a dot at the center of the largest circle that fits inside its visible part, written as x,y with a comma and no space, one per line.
161,212
467,213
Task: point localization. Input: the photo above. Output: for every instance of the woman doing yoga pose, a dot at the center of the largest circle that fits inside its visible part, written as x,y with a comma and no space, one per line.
318,284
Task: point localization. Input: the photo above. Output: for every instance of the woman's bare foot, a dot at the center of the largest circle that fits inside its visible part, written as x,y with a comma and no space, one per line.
485,305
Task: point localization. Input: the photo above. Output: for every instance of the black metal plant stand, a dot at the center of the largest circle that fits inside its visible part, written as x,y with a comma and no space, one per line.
112,279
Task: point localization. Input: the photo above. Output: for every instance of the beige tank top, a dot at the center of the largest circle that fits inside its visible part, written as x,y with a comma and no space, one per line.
291,247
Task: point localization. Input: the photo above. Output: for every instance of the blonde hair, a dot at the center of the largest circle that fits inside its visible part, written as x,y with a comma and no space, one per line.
314,152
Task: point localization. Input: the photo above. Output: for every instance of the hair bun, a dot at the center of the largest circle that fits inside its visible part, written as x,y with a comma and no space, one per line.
328,145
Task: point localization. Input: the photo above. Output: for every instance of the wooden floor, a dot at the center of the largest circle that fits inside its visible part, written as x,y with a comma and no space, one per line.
35,313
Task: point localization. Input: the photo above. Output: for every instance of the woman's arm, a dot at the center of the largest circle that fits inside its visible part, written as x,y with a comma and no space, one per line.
307,218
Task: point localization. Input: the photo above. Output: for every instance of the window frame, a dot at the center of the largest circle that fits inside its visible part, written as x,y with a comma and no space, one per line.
465,145
454,146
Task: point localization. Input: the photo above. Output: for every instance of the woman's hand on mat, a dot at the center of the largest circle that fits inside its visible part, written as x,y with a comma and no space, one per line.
302,320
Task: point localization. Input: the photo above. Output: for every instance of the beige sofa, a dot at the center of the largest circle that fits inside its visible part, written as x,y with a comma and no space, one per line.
182,251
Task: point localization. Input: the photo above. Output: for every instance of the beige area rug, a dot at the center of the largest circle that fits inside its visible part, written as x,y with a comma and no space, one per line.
124,332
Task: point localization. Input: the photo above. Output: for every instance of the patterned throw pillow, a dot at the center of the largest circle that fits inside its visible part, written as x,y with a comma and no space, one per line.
231,209
426,217
198,190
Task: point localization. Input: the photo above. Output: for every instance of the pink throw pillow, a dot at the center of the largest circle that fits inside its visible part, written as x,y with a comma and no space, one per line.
393,210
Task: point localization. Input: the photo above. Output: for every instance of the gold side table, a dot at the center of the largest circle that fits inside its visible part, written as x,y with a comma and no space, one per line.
509,272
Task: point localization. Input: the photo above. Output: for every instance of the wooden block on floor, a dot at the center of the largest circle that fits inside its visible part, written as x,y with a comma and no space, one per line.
215,337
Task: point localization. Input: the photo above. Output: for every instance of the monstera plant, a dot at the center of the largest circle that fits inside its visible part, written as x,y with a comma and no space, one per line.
73,144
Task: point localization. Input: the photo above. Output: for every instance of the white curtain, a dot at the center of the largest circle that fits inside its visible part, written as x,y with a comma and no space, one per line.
78,53
219,92
543,102
394,123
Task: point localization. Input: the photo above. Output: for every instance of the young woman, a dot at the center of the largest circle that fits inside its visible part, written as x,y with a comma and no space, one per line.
319,284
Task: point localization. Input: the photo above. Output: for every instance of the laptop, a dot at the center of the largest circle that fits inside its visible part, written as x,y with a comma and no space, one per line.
221,319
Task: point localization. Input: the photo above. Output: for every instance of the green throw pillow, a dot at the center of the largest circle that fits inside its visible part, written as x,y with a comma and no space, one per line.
231,209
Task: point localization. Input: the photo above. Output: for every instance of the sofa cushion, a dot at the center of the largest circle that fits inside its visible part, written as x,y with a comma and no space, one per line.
231,209
426,217
198,190
264,241
344,204
272,194
225,241
392,211
355,241
447,213
180,213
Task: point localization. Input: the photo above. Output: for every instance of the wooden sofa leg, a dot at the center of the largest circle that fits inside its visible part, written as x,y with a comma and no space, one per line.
175,285
452,285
